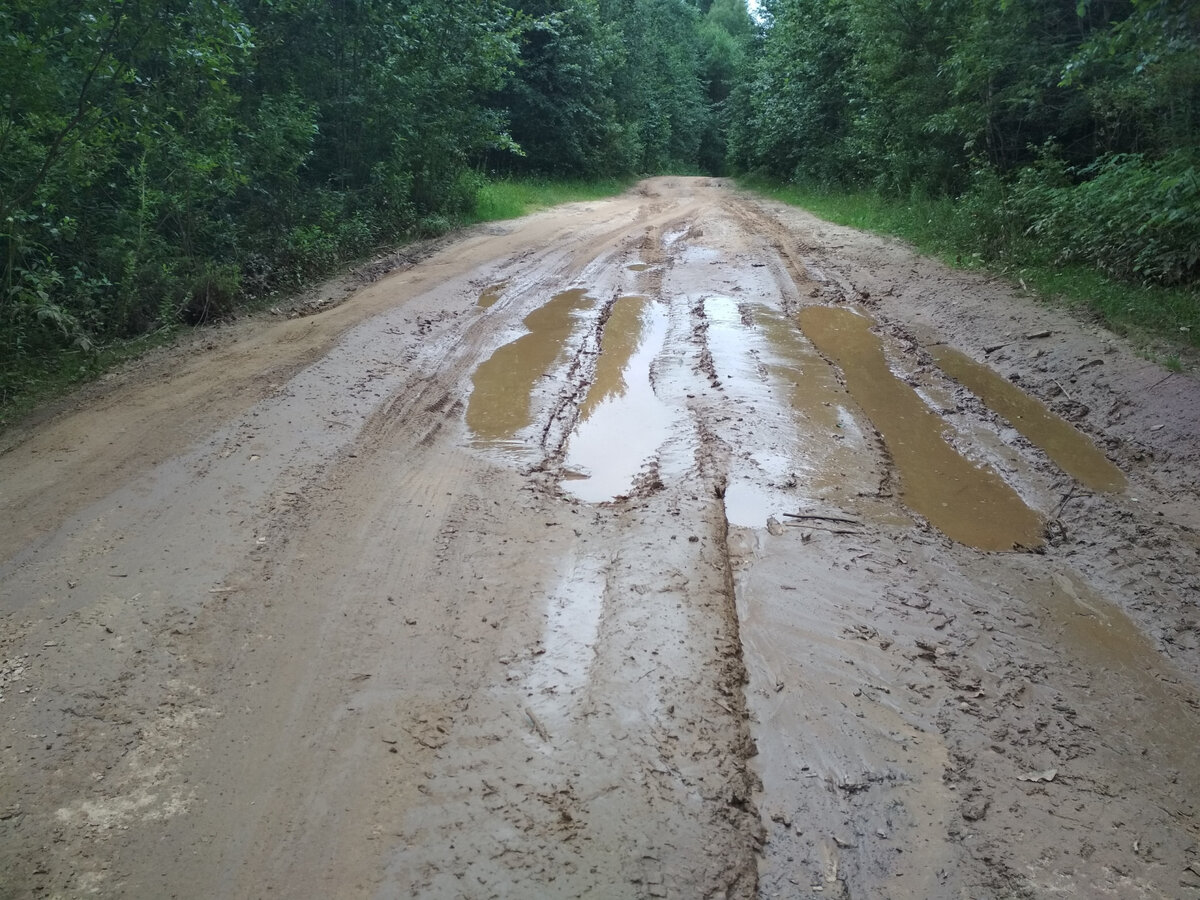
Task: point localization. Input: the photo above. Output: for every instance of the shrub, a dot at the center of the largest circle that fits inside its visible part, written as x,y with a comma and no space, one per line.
213,295
1126,214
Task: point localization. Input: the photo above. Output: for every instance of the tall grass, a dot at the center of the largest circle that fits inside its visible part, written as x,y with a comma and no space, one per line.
511,198
979,231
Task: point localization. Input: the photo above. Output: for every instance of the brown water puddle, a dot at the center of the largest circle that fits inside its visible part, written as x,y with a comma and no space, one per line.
816,395
1062,442
622,334
1128,665
491,294
970,504
800,445
622,422
639,267
499,407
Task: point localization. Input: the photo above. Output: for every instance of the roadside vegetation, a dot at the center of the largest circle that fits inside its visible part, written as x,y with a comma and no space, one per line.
1056,142
514,196
947,227
28,380
168,164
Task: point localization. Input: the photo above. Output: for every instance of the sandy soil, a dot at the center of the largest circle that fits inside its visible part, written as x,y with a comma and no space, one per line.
639,548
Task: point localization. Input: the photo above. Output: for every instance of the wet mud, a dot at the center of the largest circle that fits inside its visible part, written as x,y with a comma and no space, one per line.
1063,443
481,584
966,501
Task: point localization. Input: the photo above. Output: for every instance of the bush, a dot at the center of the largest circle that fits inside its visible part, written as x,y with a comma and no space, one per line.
213,295
1128,215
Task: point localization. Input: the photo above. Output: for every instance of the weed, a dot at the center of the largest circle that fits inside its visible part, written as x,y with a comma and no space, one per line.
511,198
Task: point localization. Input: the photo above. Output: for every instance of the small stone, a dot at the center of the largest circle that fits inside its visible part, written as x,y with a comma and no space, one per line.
976,810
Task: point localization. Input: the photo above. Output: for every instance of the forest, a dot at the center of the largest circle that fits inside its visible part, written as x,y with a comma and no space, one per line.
166,162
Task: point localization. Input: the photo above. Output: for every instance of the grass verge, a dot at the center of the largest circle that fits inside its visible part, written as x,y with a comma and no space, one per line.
511,198
1163,321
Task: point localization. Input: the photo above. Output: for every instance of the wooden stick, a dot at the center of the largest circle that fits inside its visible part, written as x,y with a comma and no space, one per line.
824,518
833,529
1063,503
538,726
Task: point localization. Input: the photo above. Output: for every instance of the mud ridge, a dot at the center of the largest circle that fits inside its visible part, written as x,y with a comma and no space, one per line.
577,378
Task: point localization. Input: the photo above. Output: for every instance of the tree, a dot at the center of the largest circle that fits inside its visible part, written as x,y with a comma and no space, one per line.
560,97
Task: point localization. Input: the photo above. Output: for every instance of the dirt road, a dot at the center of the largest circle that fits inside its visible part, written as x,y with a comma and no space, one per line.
678,545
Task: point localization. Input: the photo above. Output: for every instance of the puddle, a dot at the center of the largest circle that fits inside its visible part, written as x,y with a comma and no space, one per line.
639,267
817,398
491,294
1074,453
622,422
499,407
738,352
803,442
622,336
970,504
730,341
1102,636
572,626
748,504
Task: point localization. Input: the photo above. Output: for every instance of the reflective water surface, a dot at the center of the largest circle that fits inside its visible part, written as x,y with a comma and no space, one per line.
622,422
499,407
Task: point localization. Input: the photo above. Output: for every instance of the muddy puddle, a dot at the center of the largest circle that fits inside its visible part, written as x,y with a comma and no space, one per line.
622,422
490,294
967,502
638,267
818,400
499,408
800,452
1071,450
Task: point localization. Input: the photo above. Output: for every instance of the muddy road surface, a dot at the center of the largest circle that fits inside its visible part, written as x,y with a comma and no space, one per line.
676,545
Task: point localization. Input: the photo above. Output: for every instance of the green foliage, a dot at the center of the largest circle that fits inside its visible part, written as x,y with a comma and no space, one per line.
510,198
726,40
166,162
560,98
972,233
1130,216
802,94
148,146
1053,138
613,87
163,161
